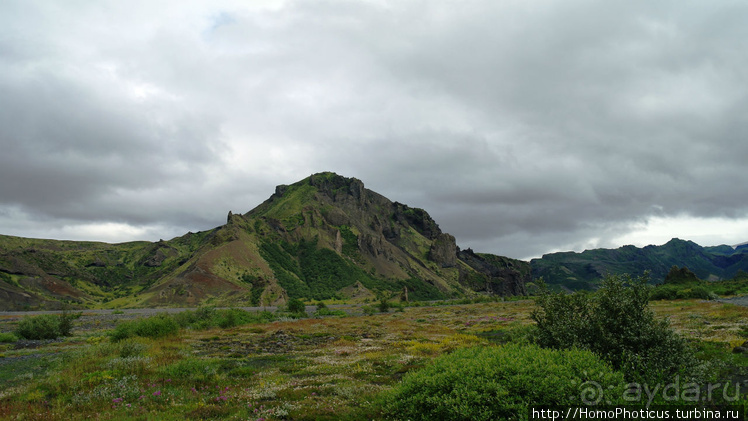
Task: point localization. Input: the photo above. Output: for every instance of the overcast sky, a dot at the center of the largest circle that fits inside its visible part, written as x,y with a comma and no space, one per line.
522,126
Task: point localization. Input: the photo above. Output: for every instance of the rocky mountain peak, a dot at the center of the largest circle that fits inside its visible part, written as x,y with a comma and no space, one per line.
324,236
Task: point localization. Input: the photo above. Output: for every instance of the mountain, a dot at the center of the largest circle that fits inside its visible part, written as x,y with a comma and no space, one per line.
326,236
584,270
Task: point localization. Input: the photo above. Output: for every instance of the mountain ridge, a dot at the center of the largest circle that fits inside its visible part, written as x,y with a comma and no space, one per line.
583,270
322,237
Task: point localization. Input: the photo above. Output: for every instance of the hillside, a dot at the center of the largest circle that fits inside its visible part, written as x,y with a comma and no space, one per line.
323,237
584,270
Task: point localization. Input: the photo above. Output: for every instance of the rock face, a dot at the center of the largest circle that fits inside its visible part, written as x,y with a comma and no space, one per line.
680,276
357,293
444,250
503,276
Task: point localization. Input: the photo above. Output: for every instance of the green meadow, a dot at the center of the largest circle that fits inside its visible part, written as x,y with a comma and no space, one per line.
483,360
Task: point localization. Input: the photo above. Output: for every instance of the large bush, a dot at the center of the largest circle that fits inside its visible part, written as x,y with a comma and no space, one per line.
151,327
489,383
615,323
46,326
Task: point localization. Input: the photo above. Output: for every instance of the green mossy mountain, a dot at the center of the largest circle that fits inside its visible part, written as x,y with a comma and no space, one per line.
323,237
584,270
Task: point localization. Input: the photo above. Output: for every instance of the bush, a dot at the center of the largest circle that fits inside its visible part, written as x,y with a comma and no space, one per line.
616,324
122,331
131,348
209,317
46,326
695,292
296,306
65,322
663,292
201,318
489,383
384,306
152,327
7,338
156,326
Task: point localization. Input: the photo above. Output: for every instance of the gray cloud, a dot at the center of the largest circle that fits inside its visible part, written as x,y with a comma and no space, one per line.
522,127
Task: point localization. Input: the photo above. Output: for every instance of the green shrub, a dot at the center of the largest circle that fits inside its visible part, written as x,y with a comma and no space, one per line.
698,292
45,326
296,306
65,322
229,319
384,306
243,317
489,383
156,326
202,318
664,292
616,324
7,338
151,327
131,348
122,331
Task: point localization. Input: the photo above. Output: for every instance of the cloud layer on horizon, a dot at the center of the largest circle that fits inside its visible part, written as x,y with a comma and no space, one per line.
522,127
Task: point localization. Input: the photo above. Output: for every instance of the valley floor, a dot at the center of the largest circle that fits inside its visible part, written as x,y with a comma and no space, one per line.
308,369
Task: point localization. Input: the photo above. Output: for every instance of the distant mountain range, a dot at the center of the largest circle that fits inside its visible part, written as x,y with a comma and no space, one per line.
323,237
584,270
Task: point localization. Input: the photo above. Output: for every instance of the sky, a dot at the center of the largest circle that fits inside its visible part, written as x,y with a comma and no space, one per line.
523,127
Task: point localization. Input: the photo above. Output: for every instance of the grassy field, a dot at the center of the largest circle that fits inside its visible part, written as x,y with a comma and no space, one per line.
329,368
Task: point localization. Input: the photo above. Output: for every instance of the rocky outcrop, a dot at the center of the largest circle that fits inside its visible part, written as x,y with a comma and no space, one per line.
678,275
444,250
336,217
159,255
357,292
418,219
500,275
338,242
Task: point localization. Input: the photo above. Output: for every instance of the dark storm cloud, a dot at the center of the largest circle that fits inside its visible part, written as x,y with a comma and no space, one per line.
522,127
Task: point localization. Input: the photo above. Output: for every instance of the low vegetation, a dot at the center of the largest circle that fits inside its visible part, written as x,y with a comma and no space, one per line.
469,361
494,383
